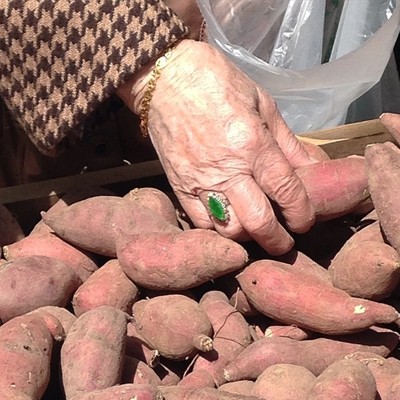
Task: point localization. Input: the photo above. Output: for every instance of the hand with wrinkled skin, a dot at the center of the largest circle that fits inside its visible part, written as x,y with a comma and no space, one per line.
214,129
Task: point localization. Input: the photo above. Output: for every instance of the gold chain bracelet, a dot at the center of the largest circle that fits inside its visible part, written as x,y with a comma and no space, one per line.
150,87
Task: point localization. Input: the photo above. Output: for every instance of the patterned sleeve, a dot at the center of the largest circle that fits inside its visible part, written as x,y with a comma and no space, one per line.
60,59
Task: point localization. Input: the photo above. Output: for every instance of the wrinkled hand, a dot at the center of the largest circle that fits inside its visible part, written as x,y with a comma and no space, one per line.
214,129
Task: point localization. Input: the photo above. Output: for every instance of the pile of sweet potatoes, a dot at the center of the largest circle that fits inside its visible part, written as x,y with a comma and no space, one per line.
115,296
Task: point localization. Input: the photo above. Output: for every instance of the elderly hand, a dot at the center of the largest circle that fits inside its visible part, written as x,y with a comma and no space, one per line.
215,130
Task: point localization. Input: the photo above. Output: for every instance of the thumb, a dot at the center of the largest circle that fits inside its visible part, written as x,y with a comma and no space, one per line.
392,123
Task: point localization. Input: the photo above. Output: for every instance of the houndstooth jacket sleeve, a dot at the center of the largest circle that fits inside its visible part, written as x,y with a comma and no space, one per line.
60,59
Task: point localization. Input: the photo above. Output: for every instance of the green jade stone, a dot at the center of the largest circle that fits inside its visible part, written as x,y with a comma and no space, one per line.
217,208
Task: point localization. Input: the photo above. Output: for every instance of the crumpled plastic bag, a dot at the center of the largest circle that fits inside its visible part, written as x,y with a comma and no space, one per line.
315,57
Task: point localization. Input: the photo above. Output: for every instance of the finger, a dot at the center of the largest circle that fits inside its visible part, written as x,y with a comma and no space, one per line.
392,123
291,147
279,182
195,210
231,228
257,217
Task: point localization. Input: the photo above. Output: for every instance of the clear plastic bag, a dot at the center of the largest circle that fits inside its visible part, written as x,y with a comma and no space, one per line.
315,57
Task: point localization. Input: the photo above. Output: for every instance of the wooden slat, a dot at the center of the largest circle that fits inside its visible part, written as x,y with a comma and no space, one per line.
345,132
58,186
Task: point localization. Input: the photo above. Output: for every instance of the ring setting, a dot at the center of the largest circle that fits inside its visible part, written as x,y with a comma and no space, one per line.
218,206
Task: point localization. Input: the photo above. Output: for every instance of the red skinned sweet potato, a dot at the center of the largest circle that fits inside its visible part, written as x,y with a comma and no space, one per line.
373,277
284,382
383,169
231,335
49,245
239,387
10,229
156,200
179,261
283,293
137,347
108,286
384,370
335,187
95,224
68,198
65,317
289,331
313,354
128,391
93,352
136,371
175,325
25,352
188,393
344,379
27,283
170,372
306,264
197,379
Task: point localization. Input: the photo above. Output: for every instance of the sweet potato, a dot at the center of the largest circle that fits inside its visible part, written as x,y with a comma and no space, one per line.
70,197
373,277
95,224
10,229
65,317
384,370
231,330
136,371
50,245
53,324
179,261
231,335
128,391
25,353
383,169
306,264
187,393
27,283
93,352
371,231
175,325
394,391
239,387
155,200
344,379
313,354
239,301
284,382
197,379
283,293
289,331
335,187
170,372
108,286
137,347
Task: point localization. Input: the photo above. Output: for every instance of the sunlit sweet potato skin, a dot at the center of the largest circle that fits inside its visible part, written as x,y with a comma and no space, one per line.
25,352
27,283
335,187
283,293
96,339
179,260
